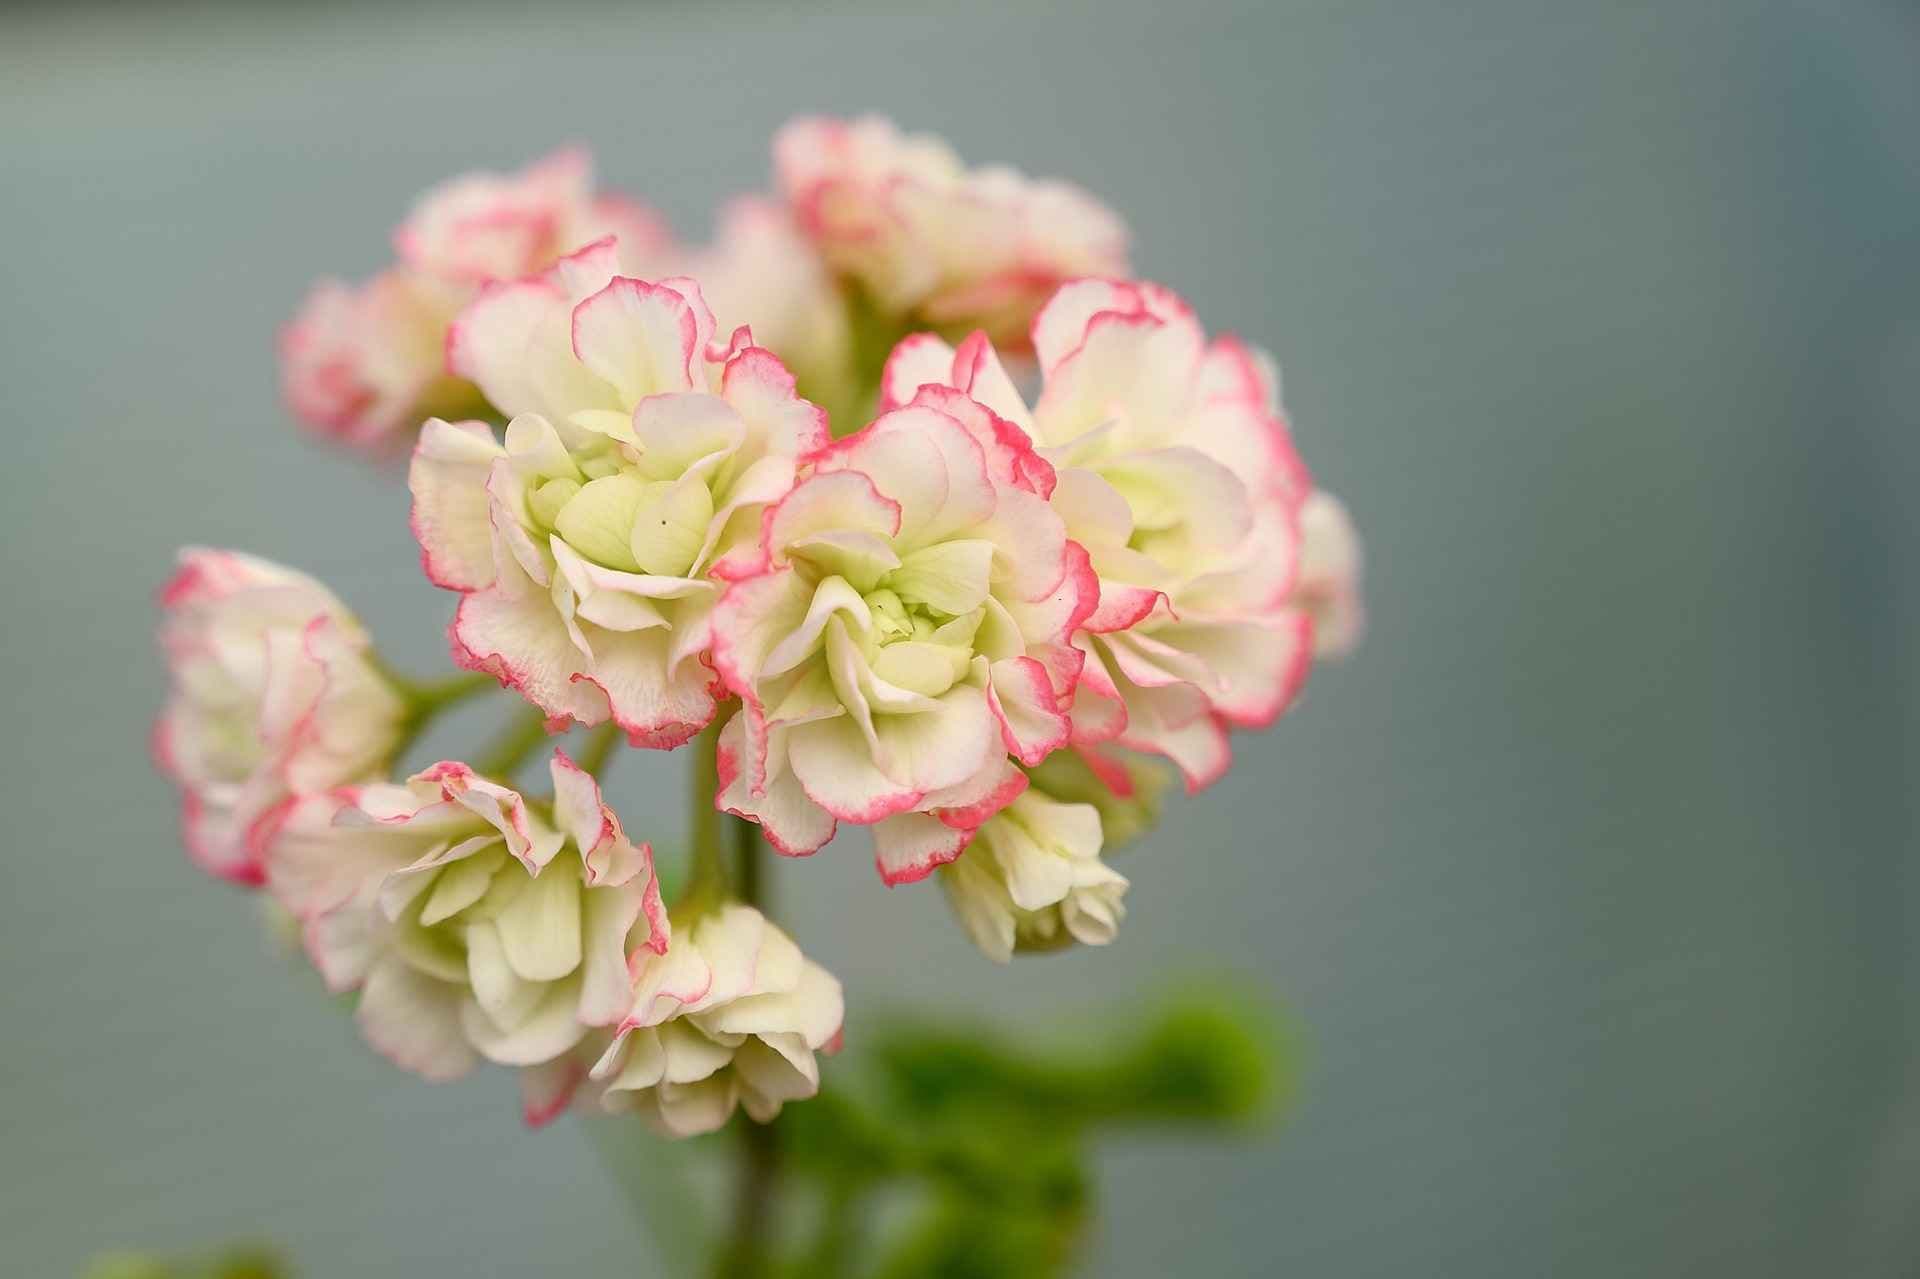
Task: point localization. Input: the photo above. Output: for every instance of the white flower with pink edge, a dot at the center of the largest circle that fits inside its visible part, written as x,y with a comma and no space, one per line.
760,270
480,227
1328,587
641,453
729,1016
366,363
474,923
1177,473
275,693
930,239
1032,879
906,628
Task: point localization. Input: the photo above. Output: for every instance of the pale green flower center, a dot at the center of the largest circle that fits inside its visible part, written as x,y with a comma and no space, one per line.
893,620
535,921
914,646
620,520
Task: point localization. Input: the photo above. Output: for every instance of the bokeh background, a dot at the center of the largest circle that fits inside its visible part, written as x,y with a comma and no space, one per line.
1590,877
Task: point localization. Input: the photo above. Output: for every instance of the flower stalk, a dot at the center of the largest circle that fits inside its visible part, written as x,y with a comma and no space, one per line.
599,748
427,700
758,1171
707,879
518,740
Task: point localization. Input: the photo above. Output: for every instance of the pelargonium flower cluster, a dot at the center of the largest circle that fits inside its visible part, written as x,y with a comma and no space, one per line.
931,241
675,505
366,362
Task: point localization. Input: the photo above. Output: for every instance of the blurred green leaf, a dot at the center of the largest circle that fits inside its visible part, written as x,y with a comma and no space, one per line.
127,1265
838,1140
235,1263
959,1241
1216,1060
1223,1061
995,1132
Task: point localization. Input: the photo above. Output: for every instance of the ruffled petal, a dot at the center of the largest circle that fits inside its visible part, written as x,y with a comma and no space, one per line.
448,477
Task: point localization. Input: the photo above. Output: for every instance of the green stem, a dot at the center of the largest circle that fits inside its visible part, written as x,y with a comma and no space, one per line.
873,334
749,883
599,748
427,699
745,1250
838,1236
757,1192
509,750
709,879
430,696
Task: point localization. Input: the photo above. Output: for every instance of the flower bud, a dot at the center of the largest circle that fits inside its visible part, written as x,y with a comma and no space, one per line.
1032,879
473,922
275,694
730,1015
930,241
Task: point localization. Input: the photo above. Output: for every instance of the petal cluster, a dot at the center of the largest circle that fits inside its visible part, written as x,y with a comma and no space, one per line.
361,361
481,227
1176,470
730,1015
901,637
1033,879
364,363
1126,790
965,625
274,694
1328,585
761,270
474,923
640,456
926,237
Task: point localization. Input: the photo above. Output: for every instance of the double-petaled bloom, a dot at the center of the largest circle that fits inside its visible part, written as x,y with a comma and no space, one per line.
481,227
730,1015
366,362
1126,790
275,693
901,637
931,241
1177,473
761,270
641,454
1033,879
474,923
1034,876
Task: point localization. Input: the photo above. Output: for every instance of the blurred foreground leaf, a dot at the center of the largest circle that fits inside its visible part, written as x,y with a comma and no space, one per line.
995,1133
959,1242
236,1263
1215,1061
980,1139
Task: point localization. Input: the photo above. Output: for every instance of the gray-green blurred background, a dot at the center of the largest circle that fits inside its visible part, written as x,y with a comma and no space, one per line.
1591,877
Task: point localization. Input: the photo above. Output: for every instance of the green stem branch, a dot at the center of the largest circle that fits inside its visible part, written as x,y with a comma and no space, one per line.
708,877
748,861
757,1193
747,1247
430,696
427,699
599,748
509,750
